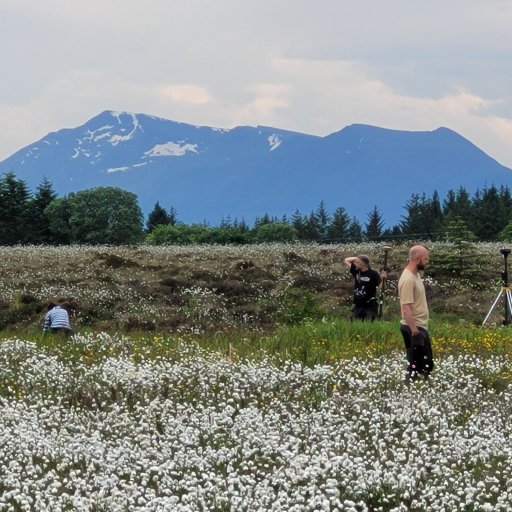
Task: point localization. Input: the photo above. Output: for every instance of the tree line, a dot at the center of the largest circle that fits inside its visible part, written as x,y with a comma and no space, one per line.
104,215
110,215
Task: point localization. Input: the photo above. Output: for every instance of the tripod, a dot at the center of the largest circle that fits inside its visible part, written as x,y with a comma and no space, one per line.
505,292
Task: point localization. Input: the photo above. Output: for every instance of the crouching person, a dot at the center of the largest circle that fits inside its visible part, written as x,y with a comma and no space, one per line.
56,319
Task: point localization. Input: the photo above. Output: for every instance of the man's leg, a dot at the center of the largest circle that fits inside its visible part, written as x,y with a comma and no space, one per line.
371,313
426,365
411,354
357,313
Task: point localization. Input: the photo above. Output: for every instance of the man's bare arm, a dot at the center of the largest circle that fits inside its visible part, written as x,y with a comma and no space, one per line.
409,319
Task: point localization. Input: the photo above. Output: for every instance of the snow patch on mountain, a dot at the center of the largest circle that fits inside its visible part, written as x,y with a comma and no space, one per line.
119,113
31,152
90,135
171,149
274,141
116,139
81,152
103,136
116,169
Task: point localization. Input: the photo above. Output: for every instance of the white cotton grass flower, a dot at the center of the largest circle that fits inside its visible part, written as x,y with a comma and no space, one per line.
202,433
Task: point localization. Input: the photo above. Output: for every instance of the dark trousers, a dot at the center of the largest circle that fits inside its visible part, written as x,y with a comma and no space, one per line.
364,312
419,351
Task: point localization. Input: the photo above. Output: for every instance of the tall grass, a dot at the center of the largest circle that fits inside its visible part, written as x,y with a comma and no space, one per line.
309,342
328,340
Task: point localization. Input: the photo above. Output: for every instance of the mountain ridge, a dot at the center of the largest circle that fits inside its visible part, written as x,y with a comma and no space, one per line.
209,173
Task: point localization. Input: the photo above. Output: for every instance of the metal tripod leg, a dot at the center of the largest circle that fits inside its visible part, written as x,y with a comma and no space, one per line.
508,314
507,295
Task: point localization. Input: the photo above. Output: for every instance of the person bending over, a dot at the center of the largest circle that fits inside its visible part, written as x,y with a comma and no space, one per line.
56,319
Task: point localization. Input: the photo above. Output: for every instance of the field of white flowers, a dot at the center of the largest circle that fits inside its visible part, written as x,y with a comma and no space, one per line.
203,433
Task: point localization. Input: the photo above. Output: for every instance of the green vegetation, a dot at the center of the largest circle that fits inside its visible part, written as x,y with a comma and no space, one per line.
309,343
280,300
108,215
207,375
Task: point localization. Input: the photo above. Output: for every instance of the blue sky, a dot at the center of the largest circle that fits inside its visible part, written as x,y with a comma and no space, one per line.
310,66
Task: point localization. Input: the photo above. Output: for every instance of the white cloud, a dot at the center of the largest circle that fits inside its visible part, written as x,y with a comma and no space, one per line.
334,94
264,106
291,64
186,93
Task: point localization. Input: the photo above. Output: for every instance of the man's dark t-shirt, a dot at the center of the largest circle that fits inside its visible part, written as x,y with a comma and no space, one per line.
365,287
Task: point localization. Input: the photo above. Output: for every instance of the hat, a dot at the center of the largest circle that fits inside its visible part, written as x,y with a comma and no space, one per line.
364,259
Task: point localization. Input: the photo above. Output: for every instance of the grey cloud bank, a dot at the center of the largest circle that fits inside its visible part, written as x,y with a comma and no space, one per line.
313,67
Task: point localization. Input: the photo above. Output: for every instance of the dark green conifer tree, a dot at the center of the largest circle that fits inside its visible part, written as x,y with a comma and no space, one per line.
14,210
462,207
39,226
298,222
158,217
323,220
355,231
490,214
374,226
339,227
424,217
412,223
312,228
173,216
266,219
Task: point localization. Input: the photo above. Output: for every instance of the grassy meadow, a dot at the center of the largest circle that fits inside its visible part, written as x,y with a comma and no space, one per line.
212,289
229,378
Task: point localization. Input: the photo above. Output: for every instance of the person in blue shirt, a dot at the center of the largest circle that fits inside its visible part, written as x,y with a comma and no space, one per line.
56,319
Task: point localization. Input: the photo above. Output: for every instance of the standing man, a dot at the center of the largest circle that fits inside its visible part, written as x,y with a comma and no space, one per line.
415,315
366,281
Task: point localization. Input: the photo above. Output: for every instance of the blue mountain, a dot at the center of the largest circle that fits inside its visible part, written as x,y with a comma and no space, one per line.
209,174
